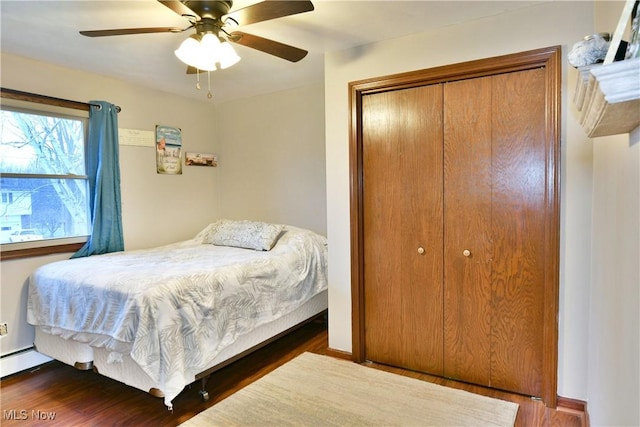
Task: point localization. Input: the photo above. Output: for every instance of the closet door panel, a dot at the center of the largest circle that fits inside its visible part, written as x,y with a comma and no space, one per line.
402,166
381,163
467,230
519,200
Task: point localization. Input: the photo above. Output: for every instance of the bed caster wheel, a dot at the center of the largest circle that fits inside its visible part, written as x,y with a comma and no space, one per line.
204,395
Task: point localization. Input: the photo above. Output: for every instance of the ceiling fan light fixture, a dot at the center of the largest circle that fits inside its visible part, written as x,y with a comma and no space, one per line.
210,44
205,51
191,53
228,55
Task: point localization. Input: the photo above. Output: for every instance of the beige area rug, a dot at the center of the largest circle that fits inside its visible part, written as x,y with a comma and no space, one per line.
315,390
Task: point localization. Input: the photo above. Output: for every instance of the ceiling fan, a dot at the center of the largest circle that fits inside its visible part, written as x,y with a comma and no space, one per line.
214,17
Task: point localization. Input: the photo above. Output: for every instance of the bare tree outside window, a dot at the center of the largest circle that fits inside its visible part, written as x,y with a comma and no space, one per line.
43,185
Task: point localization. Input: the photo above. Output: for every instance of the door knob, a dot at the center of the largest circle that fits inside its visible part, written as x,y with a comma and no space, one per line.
466,253
420,250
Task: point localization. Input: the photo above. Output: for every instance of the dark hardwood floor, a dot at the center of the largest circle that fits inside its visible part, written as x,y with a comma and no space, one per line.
58,395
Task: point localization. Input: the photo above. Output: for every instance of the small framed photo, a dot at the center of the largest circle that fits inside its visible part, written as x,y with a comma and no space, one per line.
201,159
633,49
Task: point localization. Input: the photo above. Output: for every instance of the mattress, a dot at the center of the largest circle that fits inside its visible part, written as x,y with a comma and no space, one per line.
174,309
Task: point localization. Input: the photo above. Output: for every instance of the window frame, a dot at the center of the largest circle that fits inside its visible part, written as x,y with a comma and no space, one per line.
65,245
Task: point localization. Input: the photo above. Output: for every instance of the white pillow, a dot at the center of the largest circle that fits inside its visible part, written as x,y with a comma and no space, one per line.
260,236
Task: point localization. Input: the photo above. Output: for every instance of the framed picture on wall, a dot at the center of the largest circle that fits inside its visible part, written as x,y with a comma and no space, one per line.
633,49
168,150
200,159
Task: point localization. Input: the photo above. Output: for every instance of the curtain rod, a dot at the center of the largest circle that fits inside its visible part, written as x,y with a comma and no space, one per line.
26,96
117,107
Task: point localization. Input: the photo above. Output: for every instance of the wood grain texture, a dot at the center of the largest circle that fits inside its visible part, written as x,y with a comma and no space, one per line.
518,228
490,301
42,99
402,174
467,225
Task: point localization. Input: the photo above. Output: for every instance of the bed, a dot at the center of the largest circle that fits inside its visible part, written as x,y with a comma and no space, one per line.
159,319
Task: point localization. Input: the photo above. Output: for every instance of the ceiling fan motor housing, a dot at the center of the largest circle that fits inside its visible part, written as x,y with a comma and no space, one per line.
209,9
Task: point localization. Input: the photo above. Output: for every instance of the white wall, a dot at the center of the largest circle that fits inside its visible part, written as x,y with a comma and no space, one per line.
548,24
271,152
272,158
614,312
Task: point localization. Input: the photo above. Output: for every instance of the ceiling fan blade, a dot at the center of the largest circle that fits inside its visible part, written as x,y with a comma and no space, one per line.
126,31
179,8
271,47
269,9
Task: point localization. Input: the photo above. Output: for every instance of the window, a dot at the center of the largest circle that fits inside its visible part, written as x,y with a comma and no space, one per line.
44,193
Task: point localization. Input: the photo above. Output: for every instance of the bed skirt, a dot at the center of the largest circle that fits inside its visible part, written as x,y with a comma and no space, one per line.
84,356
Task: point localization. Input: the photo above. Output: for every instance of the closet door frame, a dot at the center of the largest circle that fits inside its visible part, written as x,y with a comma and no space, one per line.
548,59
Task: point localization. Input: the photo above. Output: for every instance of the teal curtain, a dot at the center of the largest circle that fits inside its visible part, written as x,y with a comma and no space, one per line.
103,170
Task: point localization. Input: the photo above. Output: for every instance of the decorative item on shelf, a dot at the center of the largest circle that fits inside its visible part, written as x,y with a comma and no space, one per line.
616,39
593,50
633,49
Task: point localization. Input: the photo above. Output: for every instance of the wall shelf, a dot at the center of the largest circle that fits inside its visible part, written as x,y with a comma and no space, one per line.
608,94
608,97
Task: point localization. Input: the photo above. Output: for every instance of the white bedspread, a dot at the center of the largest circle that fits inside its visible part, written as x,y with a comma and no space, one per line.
173,308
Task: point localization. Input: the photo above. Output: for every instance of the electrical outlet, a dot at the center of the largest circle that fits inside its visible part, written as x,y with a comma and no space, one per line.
3,329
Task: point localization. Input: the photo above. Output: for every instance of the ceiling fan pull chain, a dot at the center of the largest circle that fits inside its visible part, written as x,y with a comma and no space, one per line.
209,95
197,79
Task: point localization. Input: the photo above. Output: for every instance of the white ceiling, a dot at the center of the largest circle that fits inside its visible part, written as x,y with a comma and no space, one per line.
48,31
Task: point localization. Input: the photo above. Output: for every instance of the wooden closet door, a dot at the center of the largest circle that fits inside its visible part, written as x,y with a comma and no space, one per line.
495,197
467,230
480,176
402,216
519,220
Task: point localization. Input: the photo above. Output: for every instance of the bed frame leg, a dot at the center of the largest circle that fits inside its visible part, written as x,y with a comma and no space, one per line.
204,394
83,366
